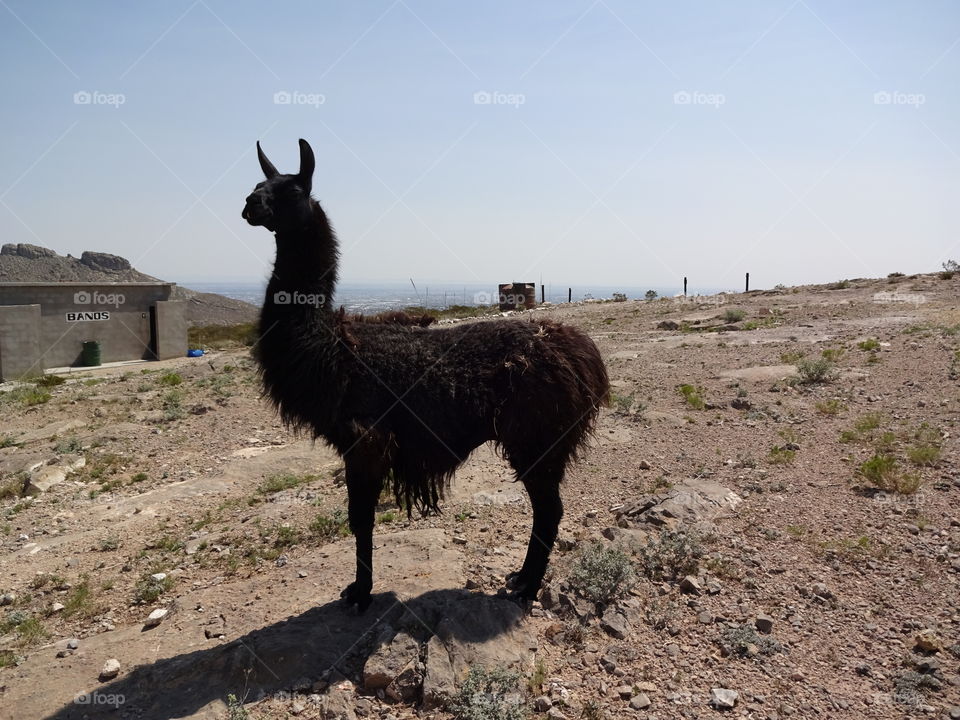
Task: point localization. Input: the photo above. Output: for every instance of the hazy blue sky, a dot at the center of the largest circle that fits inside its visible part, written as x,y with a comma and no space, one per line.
595,141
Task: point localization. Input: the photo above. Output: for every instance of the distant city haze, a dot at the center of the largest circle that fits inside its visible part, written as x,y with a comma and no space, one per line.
588,144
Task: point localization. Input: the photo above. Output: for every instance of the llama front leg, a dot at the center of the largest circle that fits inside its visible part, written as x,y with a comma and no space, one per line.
363,490
547,513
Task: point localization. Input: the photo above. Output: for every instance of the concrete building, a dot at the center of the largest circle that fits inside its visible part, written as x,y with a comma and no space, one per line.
44,325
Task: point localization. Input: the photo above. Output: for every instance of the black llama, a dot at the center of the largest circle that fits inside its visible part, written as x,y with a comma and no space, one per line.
407,404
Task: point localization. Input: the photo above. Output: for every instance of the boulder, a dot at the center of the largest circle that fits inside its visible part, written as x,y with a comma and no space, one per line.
395,667
692,504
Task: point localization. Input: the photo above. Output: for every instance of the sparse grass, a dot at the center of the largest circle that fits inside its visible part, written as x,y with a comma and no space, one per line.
68,445
169,379
149,589
222,336
386,517
49,381
11,487
26,395
601,573
671,556
745,641
884,473
173,405
286,537
109,544
621,403
79,601
833,406
279,482
839,285
869,345
692,395
538,677
138,477
791,358
926,449
781,455
733,315
815,371
329,527
833,354
488,695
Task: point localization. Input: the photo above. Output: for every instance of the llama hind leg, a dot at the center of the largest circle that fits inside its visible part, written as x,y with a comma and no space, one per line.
544,491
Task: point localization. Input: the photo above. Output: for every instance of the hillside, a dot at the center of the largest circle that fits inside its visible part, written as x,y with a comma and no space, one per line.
32,263
778,470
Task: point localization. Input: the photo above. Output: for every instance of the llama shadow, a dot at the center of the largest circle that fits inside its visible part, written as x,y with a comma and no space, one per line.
327,641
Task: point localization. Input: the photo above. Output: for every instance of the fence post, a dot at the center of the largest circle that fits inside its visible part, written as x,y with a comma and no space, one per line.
748,283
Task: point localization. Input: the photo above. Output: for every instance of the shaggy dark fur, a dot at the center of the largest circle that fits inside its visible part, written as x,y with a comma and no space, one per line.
409,403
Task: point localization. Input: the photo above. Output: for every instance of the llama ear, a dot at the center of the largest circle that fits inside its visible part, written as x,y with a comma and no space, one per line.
307,164
268,169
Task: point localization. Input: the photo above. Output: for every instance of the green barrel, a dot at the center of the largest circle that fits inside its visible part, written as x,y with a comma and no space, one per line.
90,356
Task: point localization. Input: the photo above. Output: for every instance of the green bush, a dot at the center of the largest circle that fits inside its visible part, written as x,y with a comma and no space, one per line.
601,573
488,695
671,556
819,370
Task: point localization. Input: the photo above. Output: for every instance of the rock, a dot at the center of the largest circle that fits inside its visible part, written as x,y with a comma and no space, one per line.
694,503
555,714
691,585
73,643
644,465
668,325
542,703
764,623
43,479
156,617
394,667
8,598
640,701
103,261
57,607
928,641
159,577
723,698
111,668
339,702
705,617
615,623
26,250
625,692
477,630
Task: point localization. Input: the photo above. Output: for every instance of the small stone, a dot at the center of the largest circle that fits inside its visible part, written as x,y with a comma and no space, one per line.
690,584
673,650
302,574
640,702
542,703
73,644
159,577
8,598
57,607
705,617
555,714
928,641
459,540
615,624
723,698
764,623
625,692
955,713
111,668
644,465
155,618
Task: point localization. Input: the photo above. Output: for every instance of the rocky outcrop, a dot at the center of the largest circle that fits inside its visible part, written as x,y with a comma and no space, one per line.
104,262
25,250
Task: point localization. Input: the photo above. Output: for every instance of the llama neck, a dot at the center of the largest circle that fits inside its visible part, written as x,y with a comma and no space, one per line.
305,271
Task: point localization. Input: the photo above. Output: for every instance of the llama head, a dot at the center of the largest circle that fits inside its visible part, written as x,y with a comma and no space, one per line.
282,201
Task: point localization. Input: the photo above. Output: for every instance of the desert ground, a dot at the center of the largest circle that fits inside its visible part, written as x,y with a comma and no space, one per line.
767,525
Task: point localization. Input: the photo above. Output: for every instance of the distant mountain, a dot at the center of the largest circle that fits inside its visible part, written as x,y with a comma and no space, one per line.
32,263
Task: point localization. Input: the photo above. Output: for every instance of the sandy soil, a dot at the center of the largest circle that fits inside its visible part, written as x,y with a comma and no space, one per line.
186,472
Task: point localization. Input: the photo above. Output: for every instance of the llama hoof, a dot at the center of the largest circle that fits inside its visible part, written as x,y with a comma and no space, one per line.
513,581
523,599
355,595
